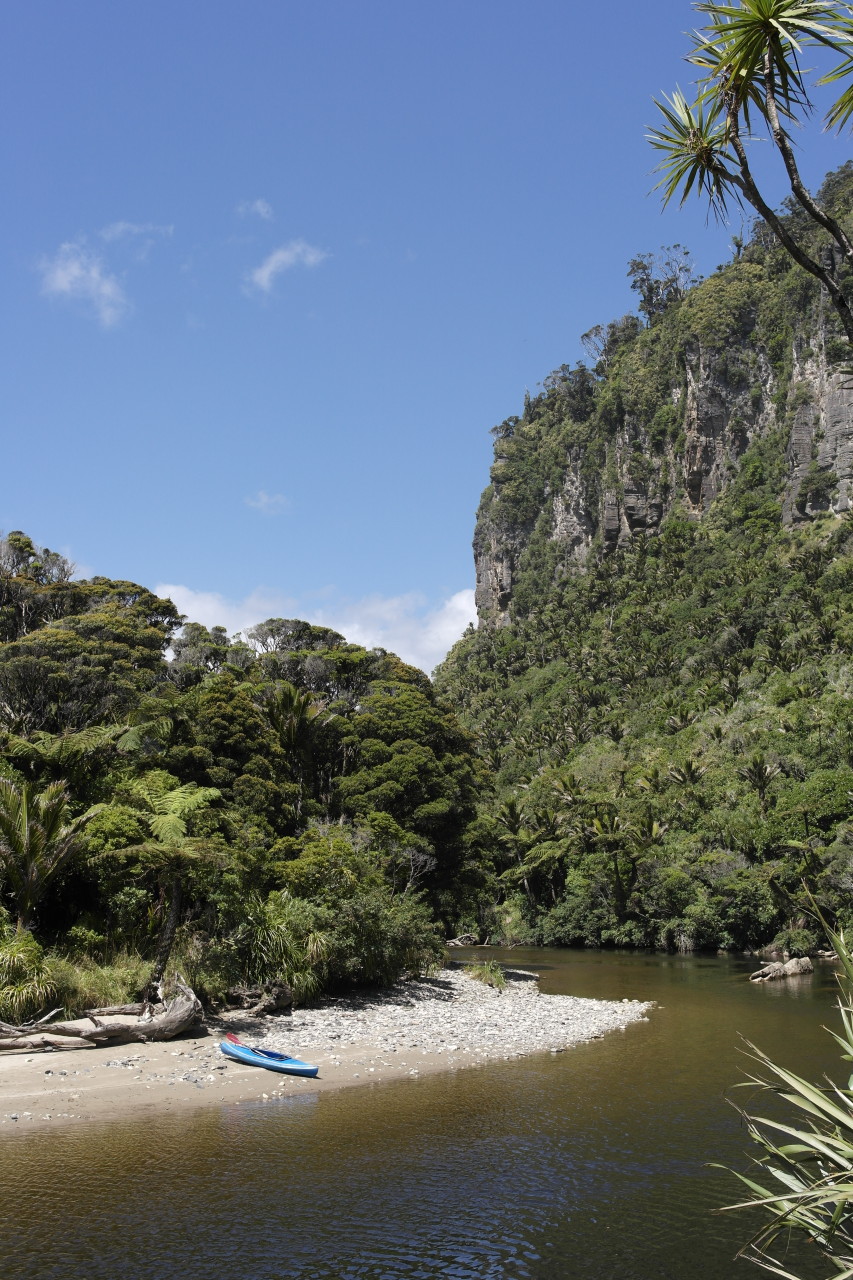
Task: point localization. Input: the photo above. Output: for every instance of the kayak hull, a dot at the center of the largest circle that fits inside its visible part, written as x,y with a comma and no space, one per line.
270,1062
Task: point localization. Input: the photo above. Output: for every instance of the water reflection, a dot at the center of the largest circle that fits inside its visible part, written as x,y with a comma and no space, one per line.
581,1166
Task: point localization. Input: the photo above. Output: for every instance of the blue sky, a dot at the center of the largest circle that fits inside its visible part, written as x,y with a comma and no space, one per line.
272,271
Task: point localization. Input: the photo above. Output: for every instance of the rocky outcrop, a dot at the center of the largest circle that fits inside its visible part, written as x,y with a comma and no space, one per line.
820,442
493,558
724,401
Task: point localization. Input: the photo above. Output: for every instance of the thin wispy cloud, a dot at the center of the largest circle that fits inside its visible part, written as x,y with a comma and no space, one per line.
77,274
298,253
261,209
269,504
122,230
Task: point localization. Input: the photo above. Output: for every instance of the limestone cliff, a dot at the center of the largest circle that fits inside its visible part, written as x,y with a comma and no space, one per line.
663,423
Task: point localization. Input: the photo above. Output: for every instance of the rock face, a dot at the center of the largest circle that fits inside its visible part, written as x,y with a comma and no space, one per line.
722,397
494,558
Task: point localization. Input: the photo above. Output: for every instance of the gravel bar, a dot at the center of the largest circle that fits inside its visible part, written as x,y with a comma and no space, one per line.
454,1015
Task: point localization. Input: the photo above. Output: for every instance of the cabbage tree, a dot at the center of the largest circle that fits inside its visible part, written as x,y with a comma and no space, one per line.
753,84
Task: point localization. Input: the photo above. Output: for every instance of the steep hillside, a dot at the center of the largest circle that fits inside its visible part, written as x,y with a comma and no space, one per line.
664,418
661,681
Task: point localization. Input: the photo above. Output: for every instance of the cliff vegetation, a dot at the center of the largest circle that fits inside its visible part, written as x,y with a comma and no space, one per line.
661,682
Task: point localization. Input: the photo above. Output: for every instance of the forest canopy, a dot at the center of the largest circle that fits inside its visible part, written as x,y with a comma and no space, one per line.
168,790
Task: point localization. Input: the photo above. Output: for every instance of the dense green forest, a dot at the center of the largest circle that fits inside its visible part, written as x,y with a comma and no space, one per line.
668,725
285,805
648,743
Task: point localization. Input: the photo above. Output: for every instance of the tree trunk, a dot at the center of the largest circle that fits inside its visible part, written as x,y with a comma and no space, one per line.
167,935
745,183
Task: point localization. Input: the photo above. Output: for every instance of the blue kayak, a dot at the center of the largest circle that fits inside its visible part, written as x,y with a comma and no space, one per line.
267,1058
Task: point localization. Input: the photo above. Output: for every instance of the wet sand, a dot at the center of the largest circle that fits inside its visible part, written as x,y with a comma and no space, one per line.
416,1028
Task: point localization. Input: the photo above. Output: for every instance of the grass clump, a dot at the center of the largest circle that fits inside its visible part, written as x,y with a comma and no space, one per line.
26,980
81,983
488,972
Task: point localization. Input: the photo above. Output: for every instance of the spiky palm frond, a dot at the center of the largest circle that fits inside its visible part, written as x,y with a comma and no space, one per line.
25,980
38,836
718,86
804,1172
841,110
741,40
281,942
292,712
759,772
688,774
696,153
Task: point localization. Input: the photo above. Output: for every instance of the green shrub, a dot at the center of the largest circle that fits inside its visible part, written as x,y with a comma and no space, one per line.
375,939
488,972
796,942
27,982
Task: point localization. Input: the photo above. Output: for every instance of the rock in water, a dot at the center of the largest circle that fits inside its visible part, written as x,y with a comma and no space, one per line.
800,964
775,970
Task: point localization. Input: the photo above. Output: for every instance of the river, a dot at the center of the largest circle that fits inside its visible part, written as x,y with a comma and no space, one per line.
586,1165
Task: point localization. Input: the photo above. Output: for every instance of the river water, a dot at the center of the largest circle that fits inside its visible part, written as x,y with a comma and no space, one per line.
586,1165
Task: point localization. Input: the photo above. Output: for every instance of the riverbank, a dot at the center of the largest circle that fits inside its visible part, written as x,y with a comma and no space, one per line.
446,1022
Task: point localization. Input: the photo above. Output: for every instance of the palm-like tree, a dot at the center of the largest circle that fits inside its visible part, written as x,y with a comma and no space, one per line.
291,713
652,781
759,773
294,715
688,774
38,838
165,808
513,817
749,54
65,755
615,837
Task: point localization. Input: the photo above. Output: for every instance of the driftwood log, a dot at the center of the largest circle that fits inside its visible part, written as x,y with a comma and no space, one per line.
116,1024
272,997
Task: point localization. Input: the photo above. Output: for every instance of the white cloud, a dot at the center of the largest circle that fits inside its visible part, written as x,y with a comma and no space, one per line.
214,610
262,208
75,272
119,230
298,253
269,504
406,625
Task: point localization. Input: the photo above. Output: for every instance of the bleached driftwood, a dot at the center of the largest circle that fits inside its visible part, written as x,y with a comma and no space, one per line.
155,1022
271,997
133,1010
790,969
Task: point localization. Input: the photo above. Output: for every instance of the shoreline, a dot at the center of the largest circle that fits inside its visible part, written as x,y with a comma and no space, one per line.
415,1028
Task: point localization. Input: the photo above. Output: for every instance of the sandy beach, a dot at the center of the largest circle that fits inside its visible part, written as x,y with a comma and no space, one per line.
446,1022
